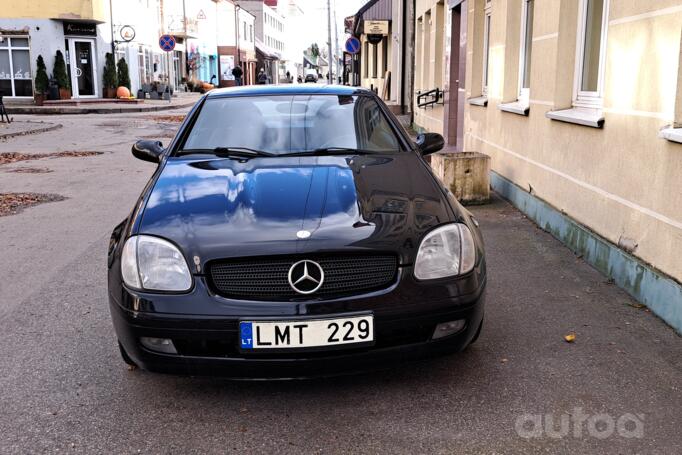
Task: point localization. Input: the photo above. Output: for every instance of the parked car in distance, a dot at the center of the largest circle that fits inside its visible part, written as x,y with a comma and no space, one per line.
311,77
306,236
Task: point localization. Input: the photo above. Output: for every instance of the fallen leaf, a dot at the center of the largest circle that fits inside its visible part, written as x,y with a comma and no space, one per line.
569,337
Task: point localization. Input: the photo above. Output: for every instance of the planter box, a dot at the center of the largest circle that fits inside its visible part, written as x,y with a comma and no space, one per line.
466,174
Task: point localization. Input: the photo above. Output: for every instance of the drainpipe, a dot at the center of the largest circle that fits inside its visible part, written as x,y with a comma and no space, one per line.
111,17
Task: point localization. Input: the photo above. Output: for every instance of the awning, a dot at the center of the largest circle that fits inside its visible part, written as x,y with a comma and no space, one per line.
373,10
266,53
307,60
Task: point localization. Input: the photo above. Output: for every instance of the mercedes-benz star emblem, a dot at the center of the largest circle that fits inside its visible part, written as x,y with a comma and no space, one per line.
306,277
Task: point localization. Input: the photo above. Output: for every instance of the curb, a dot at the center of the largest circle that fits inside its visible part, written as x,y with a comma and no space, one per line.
21,110
52,127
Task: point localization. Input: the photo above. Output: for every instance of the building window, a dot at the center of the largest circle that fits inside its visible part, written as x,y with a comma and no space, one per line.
486,46
375,59
591,53
365,60
251,32
526,48
15,67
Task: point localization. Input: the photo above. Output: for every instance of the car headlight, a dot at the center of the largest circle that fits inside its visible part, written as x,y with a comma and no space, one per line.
446,251
154,264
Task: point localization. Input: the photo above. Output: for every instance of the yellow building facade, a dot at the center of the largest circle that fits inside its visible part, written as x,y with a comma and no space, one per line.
88,10
578,104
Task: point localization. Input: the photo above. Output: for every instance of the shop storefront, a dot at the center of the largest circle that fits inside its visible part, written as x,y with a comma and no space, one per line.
81,58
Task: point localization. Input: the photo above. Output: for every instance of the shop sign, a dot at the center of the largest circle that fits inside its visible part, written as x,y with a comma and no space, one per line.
376,27
80,29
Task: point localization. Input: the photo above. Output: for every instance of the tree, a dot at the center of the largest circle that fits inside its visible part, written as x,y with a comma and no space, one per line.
314,50
41,76
59,71
109,76
123,74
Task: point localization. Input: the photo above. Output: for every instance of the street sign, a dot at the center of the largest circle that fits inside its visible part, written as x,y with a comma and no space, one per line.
352,45
167,43
127,33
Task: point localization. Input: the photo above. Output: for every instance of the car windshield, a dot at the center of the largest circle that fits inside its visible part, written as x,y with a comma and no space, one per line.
284,124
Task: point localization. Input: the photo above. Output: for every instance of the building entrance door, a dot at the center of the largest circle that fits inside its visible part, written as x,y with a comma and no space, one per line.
83,64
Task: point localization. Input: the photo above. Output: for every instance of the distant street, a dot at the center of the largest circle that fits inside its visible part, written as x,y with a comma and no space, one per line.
64,387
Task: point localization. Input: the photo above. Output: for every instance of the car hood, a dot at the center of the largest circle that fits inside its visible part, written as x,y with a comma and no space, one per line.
222,208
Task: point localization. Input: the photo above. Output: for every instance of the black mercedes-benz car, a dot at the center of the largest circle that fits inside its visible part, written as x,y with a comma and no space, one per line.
293,232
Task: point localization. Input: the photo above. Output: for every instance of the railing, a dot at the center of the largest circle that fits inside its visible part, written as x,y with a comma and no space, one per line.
429,98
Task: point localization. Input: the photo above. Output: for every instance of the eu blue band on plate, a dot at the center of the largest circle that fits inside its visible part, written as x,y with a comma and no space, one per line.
246,335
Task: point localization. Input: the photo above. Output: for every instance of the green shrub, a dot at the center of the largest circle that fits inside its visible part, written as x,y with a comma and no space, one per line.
109,76
42,81
123,74
59,71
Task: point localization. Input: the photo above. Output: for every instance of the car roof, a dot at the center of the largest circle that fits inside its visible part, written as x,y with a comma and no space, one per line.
288,89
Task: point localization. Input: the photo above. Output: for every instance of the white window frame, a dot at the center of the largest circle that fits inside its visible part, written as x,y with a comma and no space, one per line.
487,22
524,92
582,98
9,48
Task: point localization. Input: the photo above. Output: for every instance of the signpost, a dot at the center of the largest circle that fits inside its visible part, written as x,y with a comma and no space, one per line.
167,44
352,45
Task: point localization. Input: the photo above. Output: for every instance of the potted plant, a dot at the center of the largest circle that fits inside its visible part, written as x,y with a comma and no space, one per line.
41,82
59,72
123,78
109,78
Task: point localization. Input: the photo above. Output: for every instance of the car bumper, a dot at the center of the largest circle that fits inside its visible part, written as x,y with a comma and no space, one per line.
209,345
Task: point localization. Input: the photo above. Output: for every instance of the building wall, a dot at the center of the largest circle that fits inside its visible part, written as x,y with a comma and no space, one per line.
374,63
621,180
96,10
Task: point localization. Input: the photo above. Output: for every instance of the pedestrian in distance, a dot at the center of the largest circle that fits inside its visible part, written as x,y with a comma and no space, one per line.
237,72
262,77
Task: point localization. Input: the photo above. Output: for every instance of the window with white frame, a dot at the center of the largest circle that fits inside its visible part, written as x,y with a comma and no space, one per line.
15,66
486,45
591,53
525,50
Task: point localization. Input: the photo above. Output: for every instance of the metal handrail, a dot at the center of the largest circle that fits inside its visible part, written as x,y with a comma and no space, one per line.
434,97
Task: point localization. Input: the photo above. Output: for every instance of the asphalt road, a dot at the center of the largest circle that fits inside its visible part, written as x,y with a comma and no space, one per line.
64,388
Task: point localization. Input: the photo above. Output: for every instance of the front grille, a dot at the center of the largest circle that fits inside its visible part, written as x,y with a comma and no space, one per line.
267,278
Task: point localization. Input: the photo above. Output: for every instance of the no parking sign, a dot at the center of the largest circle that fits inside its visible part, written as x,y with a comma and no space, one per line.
167,43
352,45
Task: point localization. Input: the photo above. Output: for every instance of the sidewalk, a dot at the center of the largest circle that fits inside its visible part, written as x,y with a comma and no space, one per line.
181,100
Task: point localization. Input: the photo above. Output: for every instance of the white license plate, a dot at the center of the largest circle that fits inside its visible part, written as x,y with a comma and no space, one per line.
306,333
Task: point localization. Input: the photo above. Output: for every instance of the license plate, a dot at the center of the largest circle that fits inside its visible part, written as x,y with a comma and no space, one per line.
306,333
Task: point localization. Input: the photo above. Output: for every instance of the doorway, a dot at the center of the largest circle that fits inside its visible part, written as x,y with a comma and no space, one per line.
83,67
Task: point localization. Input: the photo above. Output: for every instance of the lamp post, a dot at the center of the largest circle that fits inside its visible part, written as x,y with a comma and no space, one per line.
329,40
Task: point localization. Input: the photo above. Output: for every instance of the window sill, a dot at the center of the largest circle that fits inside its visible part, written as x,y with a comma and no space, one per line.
579,116
517,107
479,101
671,134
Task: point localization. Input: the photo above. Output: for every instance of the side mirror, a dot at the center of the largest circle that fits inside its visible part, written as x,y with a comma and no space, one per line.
148,151
430,143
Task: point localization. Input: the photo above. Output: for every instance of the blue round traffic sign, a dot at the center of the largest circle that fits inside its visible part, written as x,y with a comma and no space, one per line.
352,45
167,43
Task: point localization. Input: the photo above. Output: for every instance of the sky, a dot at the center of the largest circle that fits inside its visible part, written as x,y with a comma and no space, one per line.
316,18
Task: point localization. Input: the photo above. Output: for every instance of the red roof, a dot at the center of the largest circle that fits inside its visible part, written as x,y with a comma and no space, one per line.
271,3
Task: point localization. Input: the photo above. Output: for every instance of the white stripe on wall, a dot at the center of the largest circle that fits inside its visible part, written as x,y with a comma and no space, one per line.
601,192
544,37
658,115
650,14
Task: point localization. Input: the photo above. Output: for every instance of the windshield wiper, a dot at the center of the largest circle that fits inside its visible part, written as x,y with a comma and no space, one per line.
325,151
227,152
